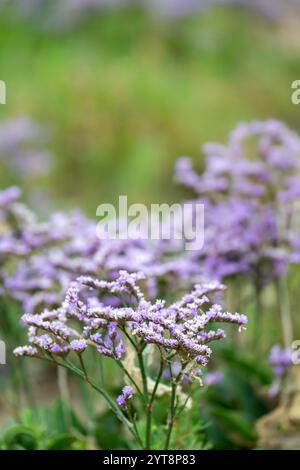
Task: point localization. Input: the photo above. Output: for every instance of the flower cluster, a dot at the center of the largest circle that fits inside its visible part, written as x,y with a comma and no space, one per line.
30,251
249,188
126,395
38,260
213,378
182,329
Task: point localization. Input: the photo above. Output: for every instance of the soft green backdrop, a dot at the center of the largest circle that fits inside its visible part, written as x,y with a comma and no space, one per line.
126,94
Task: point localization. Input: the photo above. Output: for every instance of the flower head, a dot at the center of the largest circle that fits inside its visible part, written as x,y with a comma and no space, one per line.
126,395
183,329
249,188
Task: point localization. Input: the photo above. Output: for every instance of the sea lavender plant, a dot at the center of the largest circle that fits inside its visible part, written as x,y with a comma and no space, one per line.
250,189
23,236
40,259
131,330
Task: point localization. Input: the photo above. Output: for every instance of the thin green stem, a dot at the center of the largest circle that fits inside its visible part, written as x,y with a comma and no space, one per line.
82,364
111,403
172,414
114,407
161,368
119,363
86,377
285,312
13,335
181,409
133,420
130,339
146,399
150,404
173,405
144,376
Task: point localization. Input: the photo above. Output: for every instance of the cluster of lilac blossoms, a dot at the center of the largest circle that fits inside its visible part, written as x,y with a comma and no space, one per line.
30,252
250,214
38,260
181,330
250,188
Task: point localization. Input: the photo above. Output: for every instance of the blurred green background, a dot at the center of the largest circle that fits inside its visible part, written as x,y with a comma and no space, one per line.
126,93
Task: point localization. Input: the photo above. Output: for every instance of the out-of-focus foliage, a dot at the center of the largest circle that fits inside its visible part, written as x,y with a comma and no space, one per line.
126,94
45,428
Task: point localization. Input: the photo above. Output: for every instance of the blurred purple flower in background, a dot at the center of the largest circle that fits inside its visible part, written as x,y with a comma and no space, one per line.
64,12
281,360
246,232
53,253
177,8
21,142
249,188
182,329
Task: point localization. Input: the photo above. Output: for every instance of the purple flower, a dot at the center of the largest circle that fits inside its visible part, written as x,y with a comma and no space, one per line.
59,350
213,378
78,345
120,350
26,351
126,395
280,360
249,193
182,328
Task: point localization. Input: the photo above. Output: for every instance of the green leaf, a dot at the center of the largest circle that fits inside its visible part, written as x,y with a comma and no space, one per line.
108,432
19,436
62,442
237,425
